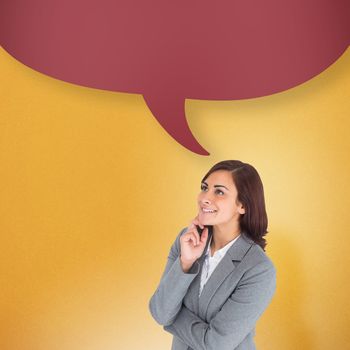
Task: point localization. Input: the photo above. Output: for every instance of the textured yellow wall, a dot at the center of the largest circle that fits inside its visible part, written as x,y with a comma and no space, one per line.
93,193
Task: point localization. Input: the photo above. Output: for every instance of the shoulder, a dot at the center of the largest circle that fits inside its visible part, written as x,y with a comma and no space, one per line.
256,260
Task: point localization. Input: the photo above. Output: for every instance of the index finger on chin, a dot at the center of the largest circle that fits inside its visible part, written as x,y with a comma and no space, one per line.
197,222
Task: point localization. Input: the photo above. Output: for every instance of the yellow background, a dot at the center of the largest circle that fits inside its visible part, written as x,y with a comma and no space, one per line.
93,192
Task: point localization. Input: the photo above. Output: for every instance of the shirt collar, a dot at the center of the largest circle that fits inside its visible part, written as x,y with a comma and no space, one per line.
221,252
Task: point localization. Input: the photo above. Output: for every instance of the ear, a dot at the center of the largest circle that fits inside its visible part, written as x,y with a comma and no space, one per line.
241,209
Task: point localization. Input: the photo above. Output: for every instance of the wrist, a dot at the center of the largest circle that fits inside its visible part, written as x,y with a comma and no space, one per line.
186,264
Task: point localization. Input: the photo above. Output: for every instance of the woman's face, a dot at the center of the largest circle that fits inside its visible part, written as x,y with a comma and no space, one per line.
217,201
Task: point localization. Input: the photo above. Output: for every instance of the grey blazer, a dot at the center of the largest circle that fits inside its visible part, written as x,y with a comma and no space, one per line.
232,300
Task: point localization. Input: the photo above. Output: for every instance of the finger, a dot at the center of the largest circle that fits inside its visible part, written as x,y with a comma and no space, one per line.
194,237
196,234
193,229
190,236
197,222
190,226
204,235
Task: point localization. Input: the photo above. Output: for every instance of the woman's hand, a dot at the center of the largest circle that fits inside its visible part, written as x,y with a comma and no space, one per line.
192,245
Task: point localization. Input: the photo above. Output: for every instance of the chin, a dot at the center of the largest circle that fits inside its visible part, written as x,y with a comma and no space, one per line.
206,221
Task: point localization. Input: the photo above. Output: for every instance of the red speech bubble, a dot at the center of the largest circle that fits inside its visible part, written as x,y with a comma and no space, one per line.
172,50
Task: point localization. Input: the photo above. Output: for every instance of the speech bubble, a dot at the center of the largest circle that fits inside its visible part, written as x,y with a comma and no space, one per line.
172,50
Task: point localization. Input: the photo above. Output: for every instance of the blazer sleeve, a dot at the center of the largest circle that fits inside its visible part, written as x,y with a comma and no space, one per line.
237,317
166,302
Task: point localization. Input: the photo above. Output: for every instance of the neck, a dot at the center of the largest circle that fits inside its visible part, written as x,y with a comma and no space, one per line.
223,234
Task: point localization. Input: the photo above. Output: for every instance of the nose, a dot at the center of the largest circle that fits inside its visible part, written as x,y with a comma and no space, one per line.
206,198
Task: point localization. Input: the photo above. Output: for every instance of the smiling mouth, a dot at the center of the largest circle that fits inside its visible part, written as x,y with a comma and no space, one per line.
208,211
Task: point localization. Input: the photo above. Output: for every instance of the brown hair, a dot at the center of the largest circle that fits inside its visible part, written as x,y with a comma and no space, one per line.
251,194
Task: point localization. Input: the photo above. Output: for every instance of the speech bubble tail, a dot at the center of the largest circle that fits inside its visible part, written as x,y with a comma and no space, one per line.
170,113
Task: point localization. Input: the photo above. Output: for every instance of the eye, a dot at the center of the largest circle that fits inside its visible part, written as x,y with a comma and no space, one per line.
203,187
219,192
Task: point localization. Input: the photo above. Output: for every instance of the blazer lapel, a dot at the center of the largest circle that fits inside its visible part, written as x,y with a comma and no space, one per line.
224,268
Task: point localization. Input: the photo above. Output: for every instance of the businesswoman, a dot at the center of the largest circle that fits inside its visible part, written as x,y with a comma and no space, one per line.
218,280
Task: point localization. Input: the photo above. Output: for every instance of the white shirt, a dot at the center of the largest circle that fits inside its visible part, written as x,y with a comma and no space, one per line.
210,262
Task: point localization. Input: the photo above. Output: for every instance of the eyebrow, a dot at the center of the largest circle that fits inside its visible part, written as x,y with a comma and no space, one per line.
215,185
